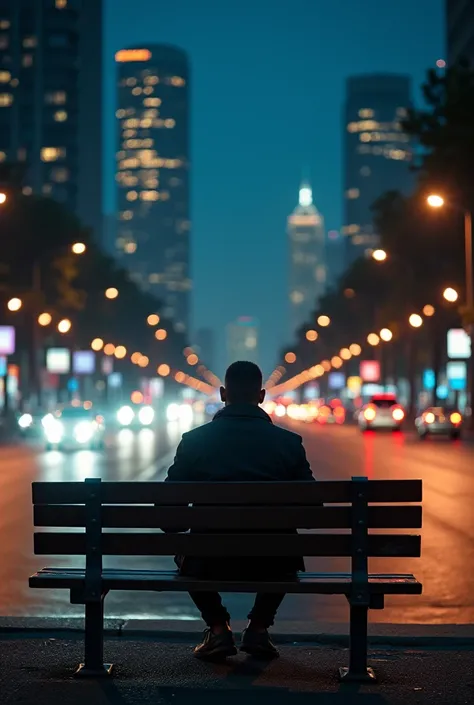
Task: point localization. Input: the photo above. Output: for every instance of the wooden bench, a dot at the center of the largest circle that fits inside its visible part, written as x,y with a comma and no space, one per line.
119,506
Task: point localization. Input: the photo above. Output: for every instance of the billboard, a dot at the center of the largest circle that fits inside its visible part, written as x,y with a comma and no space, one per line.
58,361
7,340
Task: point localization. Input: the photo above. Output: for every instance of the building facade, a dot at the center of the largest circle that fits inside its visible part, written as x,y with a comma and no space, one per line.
308,272
205,346
51,100
460,31
377,153
152,174
242,340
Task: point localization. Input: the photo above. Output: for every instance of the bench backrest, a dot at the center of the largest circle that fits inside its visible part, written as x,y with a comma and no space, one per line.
245,509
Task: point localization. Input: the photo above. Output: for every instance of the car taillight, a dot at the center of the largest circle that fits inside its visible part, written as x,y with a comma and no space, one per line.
429,417
398,414
455,418
369,413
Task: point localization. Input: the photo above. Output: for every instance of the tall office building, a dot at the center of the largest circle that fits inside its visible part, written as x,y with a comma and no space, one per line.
460,30
377,153
152,240
205,346
307,276
51,99
242,340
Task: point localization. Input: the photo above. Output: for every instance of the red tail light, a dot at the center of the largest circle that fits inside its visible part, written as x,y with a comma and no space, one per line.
455,418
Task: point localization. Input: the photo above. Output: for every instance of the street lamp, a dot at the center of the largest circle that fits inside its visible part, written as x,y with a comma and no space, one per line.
324,321
14,304
379,255
435,200
78,248
44,319
386,334
111,293
3,198
415,320
428,310
373,339
153,319
97,344
450,295
64,326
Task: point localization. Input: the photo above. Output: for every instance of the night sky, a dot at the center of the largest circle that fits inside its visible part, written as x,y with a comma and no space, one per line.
268,87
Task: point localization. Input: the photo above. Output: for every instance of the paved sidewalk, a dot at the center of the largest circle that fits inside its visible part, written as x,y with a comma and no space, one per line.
37,669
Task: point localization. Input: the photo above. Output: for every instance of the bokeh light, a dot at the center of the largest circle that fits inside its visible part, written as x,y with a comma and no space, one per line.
111,293
290,358
109,349
415,320
97,344
163,370
311,335
65,325
161,334
324,321
120,352
14,304
153,319
386,334
373,339
44,319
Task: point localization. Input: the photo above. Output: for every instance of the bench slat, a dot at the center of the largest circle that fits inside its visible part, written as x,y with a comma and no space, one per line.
222,518
253,493
319,583
154,544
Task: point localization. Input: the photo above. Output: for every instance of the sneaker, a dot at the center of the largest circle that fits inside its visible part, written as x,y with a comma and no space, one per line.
215,647
258,644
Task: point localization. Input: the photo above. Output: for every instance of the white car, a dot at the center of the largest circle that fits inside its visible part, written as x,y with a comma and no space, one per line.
382,412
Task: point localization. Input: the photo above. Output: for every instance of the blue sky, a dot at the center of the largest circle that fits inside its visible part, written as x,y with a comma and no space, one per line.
267,92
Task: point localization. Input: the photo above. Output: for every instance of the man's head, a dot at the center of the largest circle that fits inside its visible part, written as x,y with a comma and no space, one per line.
243,384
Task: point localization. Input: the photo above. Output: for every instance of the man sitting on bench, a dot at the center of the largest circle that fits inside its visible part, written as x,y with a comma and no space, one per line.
241,444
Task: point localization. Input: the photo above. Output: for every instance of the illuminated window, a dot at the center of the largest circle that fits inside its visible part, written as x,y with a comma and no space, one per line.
129,133
366,113
56,97
30,42
61,4
350,229
132,196
137,90
352,193
152,102
4,41
151,80
177,81
6,99
148,90
170,123
5,76
146,123
60,115
3,156
52,154
4,24
60,175
126,215
352,127
27,61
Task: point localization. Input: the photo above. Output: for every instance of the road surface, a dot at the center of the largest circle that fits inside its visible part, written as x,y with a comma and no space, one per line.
447,471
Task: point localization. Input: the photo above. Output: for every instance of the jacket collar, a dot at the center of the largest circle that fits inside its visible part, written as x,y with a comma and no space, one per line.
249,411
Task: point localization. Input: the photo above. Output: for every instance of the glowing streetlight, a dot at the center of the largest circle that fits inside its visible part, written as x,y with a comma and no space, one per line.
435,200
290,358
379,255
326,365
179,376
450,295
3,198
109,349
311,335
153,319
120,352
415,320
192,359
373,339
143,361
324,321
336,362
78,248
44,319
135,357
111,293
161,334
428,310
97,344
163,370
386,334
65,325
14,304
345,353
355,349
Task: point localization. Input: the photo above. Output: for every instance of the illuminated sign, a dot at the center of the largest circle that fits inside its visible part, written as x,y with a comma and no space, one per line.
456,373
336,380
58,361
459,344
83,362
125,55
7,340
370,370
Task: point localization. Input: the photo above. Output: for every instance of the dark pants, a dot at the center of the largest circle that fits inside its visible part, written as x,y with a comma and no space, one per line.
214,612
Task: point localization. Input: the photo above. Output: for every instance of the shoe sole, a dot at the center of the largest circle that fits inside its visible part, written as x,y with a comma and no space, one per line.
259,653
217,655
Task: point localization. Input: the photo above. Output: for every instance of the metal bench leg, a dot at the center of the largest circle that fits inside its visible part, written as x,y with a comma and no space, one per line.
94,666
357,670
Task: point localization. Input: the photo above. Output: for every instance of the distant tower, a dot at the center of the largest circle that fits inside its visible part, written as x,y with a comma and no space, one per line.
307,280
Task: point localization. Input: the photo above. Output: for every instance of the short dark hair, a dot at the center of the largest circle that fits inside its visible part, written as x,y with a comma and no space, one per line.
243,382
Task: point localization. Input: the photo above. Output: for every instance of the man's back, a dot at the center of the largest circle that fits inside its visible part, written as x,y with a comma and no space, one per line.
240,445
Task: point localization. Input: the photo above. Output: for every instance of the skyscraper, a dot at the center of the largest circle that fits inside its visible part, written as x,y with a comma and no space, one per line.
377,152
460,30
205,346
152,240
51,97
307,276
242,340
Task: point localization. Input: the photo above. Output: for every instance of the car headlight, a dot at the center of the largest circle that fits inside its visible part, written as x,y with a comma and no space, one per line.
185,413
125,415
25,421
54,431
83,432
172,412
146,415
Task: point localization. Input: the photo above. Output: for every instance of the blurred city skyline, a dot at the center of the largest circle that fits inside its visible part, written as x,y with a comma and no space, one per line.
267,94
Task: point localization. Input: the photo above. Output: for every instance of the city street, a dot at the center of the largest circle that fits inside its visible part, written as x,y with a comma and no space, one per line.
447,471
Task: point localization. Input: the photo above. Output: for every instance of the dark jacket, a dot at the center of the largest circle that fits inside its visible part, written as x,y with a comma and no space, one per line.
241,444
